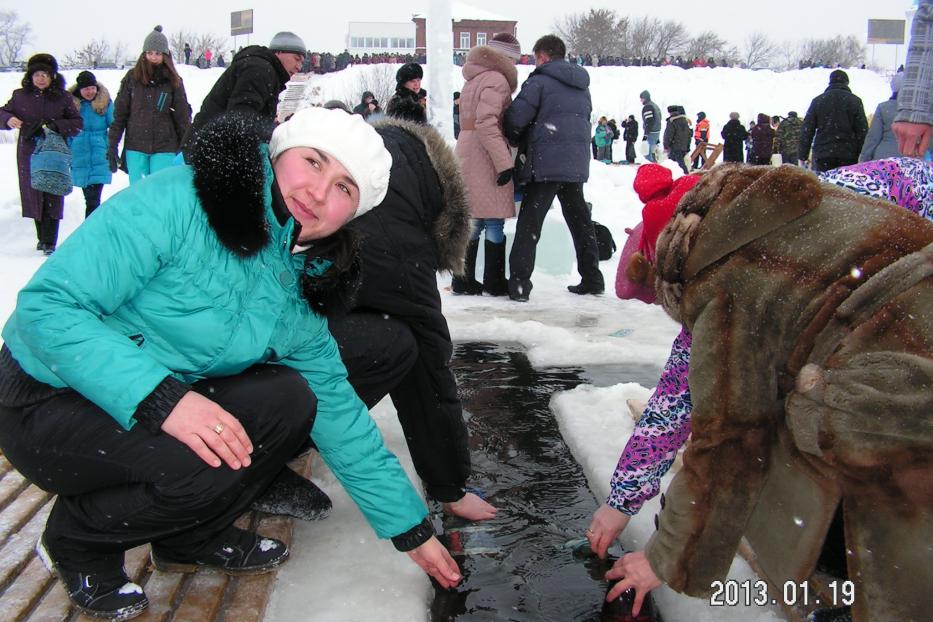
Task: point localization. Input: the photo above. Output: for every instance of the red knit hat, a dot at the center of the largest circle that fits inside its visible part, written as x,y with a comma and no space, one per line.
655,187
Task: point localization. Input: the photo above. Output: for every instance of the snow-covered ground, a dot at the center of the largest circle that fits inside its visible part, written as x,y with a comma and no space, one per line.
339,570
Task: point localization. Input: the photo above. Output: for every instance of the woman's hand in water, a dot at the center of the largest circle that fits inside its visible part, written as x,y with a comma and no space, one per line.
437,562
605,527
471,507
633,572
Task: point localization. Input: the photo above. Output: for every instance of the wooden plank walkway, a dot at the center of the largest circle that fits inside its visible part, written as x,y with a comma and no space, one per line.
28,593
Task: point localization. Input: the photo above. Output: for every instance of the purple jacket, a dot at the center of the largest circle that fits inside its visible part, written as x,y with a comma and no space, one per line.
34,107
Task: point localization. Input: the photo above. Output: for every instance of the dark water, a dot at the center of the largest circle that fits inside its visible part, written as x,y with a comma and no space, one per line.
531,562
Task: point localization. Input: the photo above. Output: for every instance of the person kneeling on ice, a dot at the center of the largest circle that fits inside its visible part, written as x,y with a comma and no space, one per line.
810,374
160,369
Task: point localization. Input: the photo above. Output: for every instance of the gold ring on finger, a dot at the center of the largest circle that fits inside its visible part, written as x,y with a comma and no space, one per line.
219,428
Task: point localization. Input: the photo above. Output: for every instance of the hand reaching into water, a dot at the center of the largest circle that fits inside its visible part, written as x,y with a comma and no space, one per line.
434,559
605,527
634,572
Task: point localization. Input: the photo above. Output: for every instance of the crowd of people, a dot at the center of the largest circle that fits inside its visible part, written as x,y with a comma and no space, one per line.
336,223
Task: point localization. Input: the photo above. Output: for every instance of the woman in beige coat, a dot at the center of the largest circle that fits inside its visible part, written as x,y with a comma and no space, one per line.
487,162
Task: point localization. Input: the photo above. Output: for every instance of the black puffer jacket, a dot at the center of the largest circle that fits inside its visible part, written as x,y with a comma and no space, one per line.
420,227
551,115
837,119
251,84
155,116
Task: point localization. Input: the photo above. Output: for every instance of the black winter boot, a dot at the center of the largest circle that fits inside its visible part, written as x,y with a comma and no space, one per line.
494,281
108,595
238,552
467,284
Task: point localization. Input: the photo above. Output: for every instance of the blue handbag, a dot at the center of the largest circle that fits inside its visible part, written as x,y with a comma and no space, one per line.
50,164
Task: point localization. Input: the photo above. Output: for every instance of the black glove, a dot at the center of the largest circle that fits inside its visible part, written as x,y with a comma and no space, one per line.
644,139
504,177
112,160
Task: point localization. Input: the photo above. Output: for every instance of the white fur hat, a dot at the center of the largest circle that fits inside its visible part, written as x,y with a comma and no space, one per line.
346,137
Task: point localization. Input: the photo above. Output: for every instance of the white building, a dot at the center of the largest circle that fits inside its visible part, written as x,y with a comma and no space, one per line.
381,38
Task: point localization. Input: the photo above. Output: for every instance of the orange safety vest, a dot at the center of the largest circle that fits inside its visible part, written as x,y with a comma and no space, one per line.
702,126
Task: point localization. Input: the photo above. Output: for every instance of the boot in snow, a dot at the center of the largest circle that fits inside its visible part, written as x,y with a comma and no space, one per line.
467,284
494,281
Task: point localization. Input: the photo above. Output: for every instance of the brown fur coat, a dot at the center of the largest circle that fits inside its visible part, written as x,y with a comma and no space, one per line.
811,374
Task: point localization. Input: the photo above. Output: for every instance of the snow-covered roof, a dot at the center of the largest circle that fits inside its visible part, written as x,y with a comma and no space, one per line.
463,11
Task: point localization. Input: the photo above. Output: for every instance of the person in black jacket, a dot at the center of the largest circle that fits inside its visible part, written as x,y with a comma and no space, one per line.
406,102
630,135
550,119
252,82
835,126
677,136
395,339
734,136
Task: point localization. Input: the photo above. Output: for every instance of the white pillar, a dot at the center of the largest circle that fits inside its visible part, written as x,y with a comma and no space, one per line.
440,53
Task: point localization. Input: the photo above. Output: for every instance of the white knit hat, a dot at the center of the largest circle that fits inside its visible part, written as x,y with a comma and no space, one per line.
346,137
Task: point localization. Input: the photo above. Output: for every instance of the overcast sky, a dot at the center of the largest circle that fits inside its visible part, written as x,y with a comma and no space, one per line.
60,26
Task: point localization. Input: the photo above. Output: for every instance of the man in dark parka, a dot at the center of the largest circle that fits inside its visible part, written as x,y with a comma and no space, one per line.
551,118
835,126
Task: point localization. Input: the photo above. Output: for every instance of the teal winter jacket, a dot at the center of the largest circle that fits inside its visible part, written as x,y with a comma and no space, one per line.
89,148
158,284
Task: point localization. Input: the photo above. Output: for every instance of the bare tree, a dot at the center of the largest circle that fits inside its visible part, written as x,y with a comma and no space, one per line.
14,34
672,39
118,53
708,44
760,50
598,32
377,79
177,41
92,54
843,51
568,28
789,55
649,37
207,41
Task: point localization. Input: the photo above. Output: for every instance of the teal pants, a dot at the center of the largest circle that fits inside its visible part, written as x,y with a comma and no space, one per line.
139,164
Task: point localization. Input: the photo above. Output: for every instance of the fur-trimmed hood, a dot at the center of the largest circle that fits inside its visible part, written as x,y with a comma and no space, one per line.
483,58
451,227
100,101
230,176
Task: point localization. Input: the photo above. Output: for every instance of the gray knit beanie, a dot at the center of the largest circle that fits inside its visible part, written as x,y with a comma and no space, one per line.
156,42
287,42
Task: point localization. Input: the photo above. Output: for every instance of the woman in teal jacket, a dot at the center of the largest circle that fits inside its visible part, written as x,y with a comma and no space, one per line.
89,168
156,372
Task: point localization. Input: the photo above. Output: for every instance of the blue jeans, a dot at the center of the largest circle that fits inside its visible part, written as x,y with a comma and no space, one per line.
653,138
493,227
